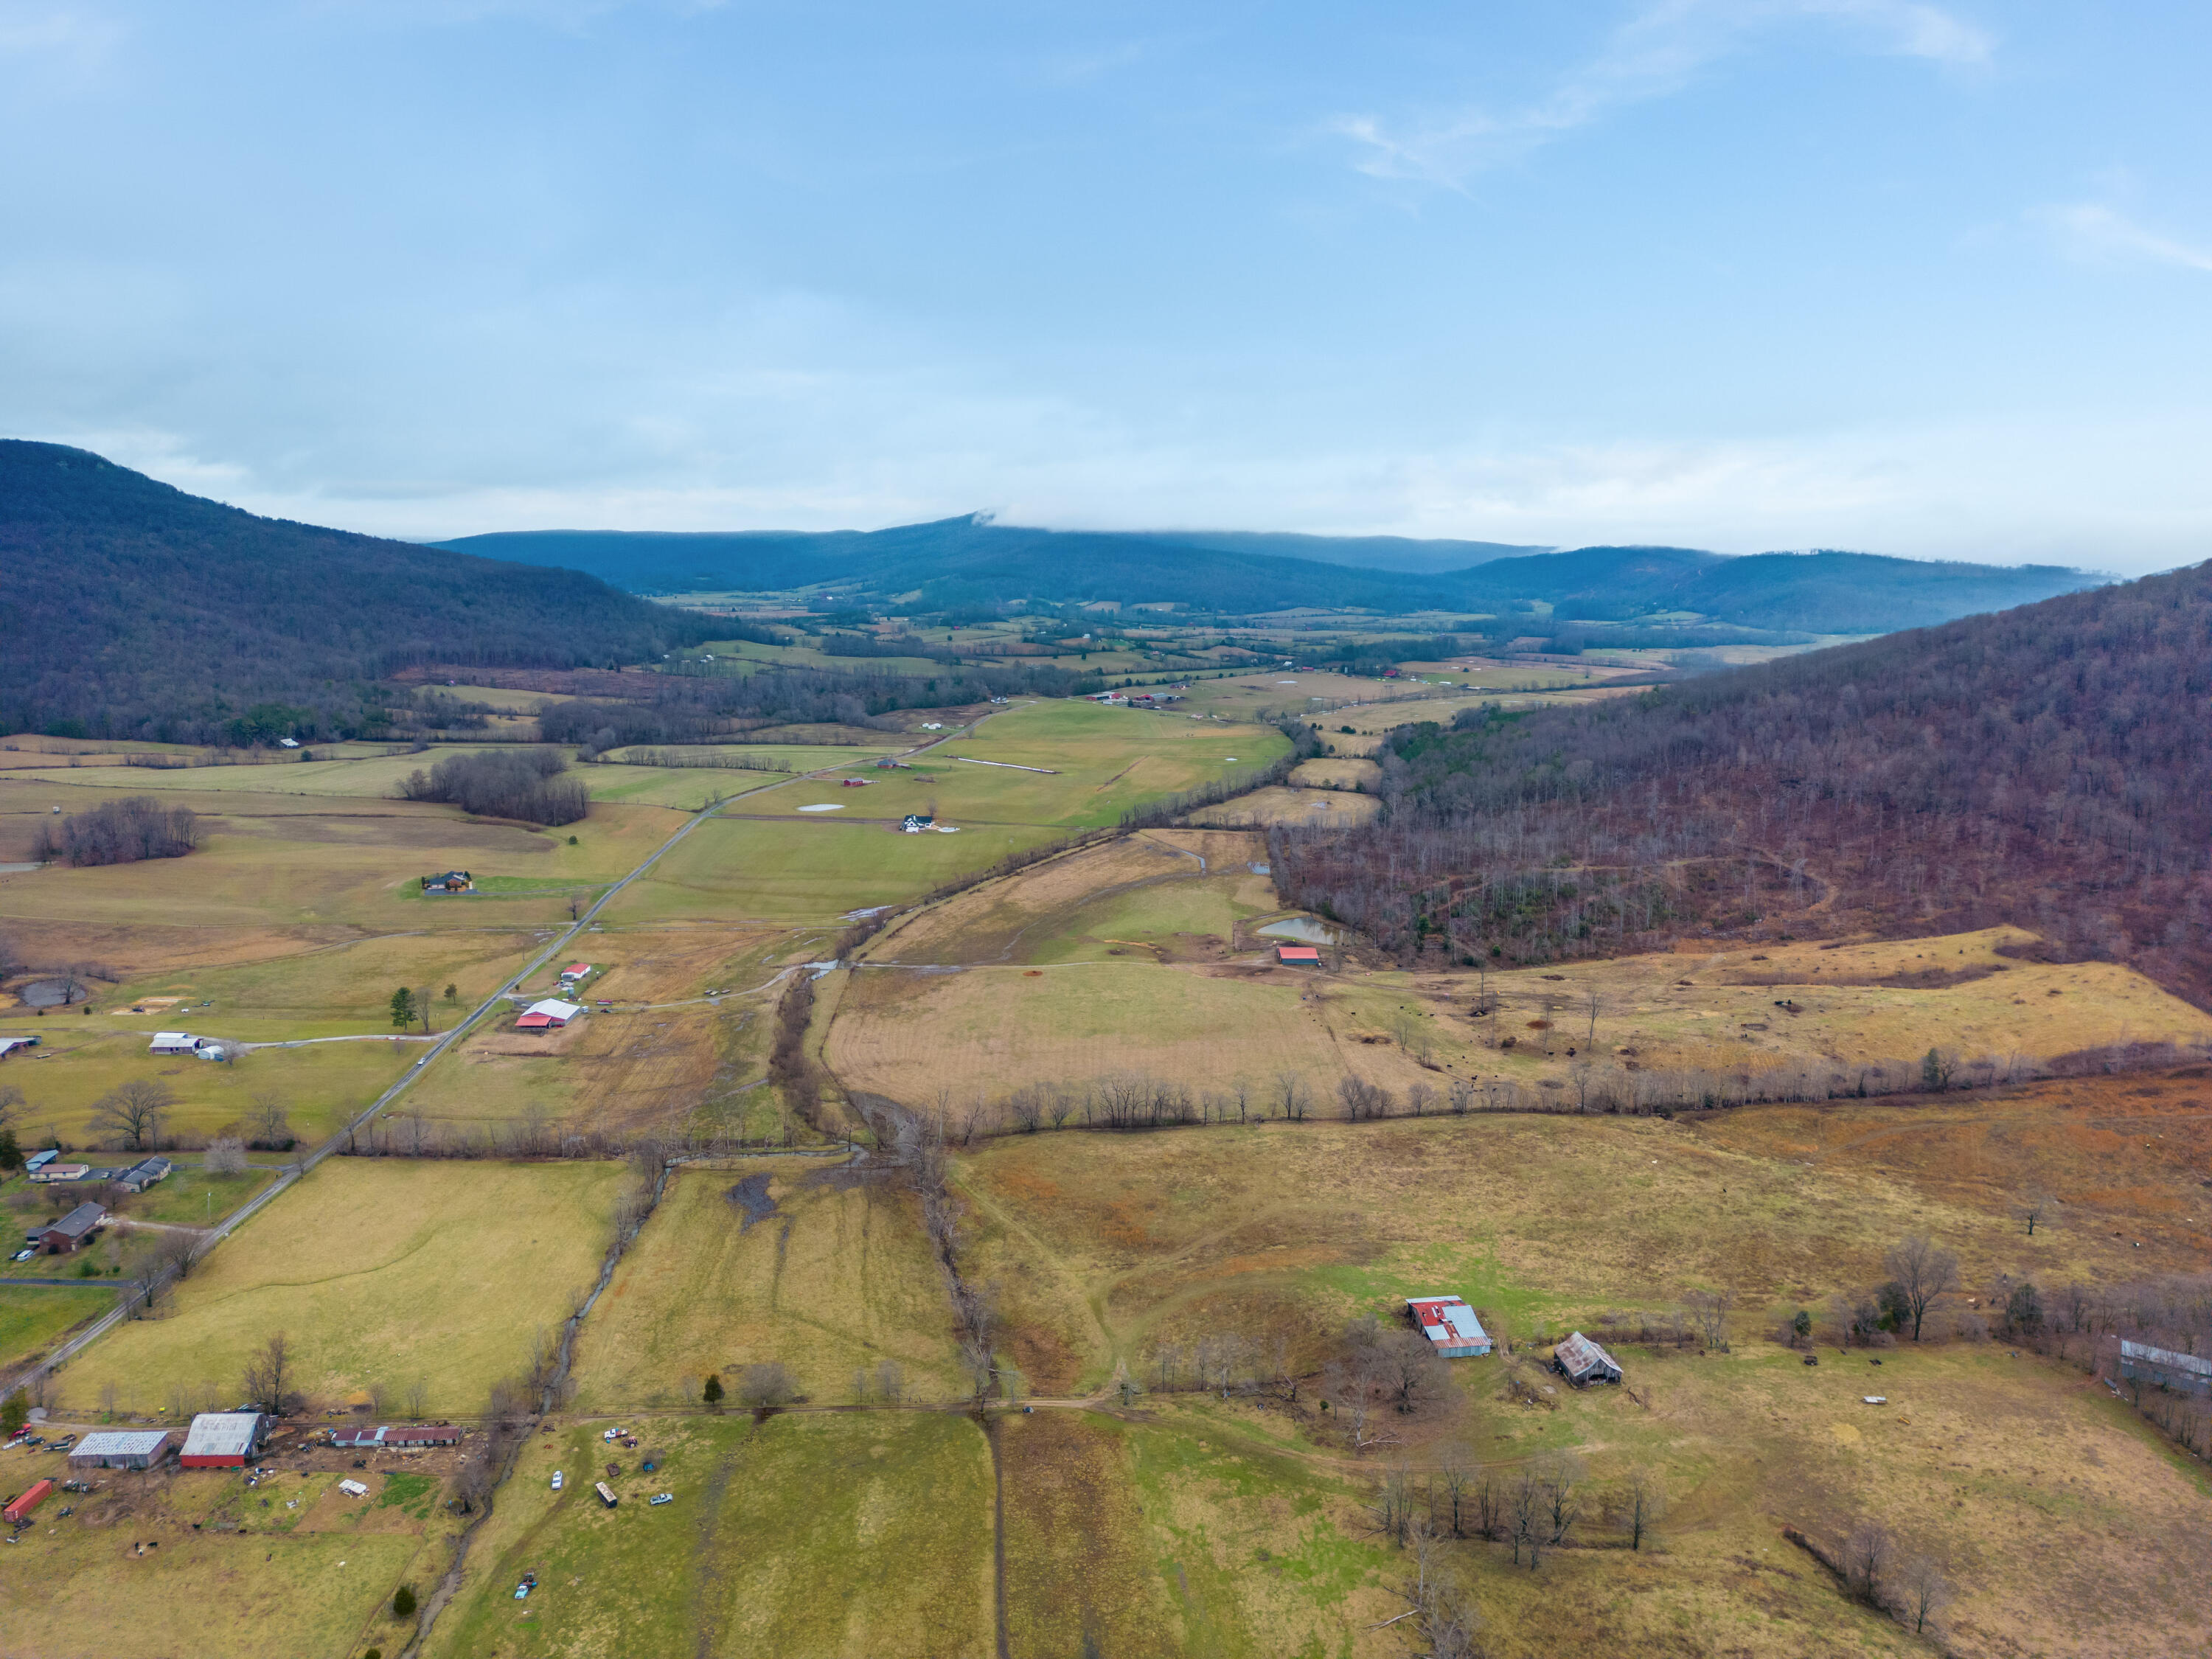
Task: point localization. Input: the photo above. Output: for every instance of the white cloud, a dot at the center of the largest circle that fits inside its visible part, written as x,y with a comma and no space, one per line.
1657,53
2092,230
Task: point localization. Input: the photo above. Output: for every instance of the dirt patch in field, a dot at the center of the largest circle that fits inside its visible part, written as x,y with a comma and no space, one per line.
1078,1561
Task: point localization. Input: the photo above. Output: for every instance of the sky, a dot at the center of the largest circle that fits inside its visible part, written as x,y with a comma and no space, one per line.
1931,280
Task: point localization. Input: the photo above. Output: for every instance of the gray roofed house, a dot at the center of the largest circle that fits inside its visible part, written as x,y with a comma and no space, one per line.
73,1228
2163,1367
1580,1360
140,1176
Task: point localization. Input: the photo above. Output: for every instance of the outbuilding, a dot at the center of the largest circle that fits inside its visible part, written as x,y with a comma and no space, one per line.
10,1044
1297,956
222,1440
175,1043
50,1171
2164,1368
1581,1361
1450,1326
140,1176
576,970
550,1015
72,1229
38,1161
393,1436
121,1449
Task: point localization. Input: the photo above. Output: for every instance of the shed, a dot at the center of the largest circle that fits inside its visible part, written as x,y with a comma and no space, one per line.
72,1229
2163,1367
120,1449
550,1015
576,970
140,1176
175,1043
1450,1326
19,1508
390,1436
1298,956
222,1440
1580,1360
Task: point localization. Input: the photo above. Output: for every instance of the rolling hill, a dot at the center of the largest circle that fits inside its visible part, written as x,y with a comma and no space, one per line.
133,610
972,560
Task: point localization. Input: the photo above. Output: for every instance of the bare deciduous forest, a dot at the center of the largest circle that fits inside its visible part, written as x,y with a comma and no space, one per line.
2048,766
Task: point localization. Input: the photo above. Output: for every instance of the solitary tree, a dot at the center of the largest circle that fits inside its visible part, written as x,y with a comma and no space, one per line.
1922,1591
890,1381
402,1009
1643,1500
225,1156
1924,1274
711,1392
268,1122
266,1373
402,1603
2033,1206
134,1110
1868,1554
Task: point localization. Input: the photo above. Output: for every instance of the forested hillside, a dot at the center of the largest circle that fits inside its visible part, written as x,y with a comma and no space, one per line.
2050,766
133,610
971,561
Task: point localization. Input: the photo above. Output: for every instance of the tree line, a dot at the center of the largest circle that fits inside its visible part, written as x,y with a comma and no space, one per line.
120,832
524,784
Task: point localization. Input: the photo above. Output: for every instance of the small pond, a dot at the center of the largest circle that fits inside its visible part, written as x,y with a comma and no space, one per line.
1306,929
54,992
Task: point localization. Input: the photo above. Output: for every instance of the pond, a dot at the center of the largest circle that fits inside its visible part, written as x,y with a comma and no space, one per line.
54,992
1306,929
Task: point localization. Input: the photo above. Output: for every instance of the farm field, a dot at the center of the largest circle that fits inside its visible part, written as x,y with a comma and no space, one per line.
194,1197
319,1085
811,1536
1111,1245
774,1259
378,1272
1319,808
32,1320
248,1580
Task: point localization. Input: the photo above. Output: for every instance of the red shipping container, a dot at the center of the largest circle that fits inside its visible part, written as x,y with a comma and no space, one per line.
30,1501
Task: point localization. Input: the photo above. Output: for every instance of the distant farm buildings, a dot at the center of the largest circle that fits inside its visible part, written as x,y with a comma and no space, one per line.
222,1440
1450,1326
394,1435
49,1171
71,1232
1581,1361
550,1015
176,1042
120,1449
2163,1367
450,881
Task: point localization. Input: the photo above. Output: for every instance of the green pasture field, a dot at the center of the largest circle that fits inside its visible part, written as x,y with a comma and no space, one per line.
1100,763
271,860
795,871
686,787
1170,1532
806,1536
79,1591
838,1278
375,774
32,1320
339,990
784,757
377,1272
195,1198
321,1084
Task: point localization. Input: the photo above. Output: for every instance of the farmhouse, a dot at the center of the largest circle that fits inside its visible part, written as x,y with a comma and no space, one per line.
50,1171
1450,1326
450,881
550,1015
72,1229
1297,956
175,1043
120,1449
575,970
140,1176
1581,1361
2179,1373
385,1438
222,1440
914,823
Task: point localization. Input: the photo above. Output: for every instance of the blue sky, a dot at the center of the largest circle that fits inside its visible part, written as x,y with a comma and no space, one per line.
1924,279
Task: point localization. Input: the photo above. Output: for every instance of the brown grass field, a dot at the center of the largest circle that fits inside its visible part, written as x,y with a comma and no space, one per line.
1103,1248
1322,809
379,1271
838,1277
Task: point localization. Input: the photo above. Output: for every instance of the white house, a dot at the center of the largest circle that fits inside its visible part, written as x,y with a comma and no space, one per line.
176,1042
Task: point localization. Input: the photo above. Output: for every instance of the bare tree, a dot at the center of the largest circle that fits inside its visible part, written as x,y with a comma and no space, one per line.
1640,1503
268,1123
767,1383
134,1110
1595,1003
1922,1591
1708,1311
178,1251
860,1385
11,1103
1524,1506
1442,1622
1868,1553
418,1392
1562,1478
1391,1508
2033,1206
267,1371
1924,1273
890,1381
1455,1478
225,1156
1292,1095
1411,1369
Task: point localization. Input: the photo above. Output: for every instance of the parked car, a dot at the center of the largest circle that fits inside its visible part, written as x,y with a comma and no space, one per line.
661,1498
24,1255
65,1442
529,1583
556,1480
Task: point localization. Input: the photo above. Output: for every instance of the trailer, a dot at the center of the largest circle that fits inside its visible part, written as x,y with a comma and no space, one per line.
19,1509
606,1493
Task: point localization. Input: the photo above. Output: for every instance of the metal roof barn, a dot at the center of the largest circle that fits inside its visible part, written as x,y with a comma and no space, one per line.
222,1440
120,1449
1450,1326
1580,1360
2183,1373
